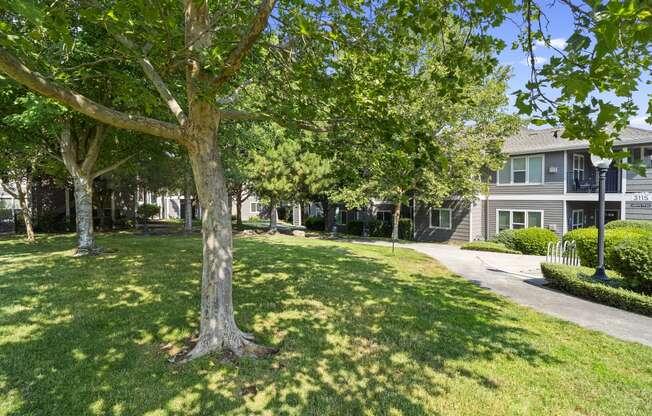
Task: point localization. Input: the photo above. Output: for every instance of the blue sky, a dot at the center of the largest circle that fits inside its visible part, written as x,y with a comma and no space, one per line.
560,28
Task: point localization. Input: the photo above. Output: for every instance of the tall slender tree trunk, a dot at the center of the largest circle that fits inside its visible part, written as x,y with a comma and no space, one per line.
136,208
67,201
24,200
84,215
273,217
218,330
112,209
187,226
238,209
395,220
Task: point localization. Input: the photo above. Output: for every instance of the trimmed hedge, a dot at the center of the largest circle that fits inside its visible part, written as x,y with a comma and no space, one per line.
533,240
577,281
378,228
633,259
505,237
315,223
355,227
643,225
587,244
405,229
488,246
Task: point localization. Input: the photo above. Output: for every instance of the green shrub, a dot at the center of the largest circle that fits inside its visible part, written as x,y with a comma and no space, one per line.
577,281
587,244
315,223
632,257
255,218
644,225
378,228
505,237
405,229
355,227
488,246
533,240
148,210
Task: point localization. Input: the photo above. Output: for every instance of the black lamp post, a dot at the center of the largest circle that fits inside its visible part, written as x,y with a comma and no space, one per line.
602,164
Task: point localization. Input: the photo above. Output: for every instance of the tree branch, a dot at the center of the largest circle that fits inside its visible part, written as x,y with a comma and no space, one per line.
93,149
9,190
15,69
156,79
234,60
111,167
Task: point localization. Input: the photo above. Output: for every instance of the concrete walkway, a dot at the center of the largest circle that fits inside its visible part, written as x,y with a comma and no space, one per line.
518,277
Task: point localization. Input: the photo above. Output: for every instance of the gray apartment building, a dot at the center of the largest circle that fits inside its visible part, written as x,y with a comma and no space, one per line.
547,182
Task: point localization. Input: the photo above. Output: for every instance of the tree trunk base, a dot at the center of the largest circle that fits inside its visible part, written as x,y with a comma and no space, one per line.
81,252
240,345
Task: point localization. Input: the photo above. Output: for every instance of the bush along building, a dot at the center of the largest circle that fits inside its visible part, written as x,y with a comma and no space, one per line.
548,182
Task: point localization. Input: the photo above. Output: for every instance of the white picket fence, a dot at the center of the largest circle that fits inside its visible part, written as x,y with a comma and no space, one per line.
563,253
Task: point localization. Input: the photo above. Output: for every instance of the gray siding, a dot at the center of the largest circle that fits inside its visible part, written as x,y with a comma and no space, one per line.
637,183
553,183
553,214
478,221
635,210
460,222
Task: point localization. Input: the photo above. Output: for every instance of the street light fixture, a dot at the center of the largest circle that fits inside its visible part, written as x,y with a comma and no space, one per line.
602,164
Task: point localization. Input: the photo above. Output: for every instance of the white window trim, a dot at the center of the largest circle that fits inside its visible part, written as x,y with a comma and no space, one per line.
573,227
450,218
527,171
511,217
251,204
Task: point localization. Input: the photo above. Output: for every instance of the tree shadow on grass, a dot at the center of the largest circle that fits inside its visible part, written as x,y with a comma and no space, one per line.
83,335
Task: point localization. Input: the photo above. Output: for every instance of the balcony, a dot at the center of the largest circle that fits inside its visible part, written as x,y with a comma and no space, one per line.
590,184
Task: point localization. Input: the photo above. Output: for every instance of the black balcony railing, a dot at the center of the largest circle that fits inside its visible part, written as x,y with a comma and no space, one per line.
590,184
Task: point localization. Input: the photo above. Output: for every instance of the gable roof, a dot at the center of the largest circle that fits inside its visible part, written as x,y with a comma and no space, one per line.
545,140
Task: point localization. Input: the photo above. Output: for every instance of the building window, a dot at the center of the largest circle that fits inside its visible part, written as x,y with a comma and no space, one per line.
255,207
384,216
504,173
577,219
647,156
517,219
578,167
519,169
535,219
440,218
341,217
522,170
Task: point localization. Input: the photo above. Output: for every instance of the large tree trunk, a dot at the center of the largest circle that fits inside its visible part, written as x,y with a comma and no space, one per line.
273,217
395,220
84,215
218,330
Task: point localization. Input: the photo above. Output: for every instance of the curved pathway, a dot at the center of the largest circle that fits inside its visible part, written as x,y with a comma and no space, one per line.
518,277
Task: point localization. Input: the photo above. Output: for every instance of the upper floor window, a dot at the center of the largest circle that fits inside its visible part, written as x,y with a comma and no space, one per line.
522,170
578,167
647,156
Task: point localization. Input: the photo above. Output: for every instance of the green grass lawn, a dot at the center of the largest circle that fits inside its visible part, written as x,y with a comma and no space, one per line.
360,332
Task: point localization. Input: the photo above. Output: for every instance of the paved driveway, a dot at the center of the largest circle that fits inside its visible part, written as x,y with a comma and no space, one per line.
518,277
